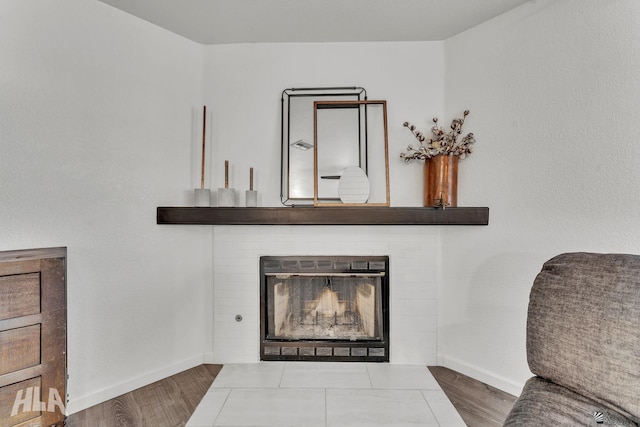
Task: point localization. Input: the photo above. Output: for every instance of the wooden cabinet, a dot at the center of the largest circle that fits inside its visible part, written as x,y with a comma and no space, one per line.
33,325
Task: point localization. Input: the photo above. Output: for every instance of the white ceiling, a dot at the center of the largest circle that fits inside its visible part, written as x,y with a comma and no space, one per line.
259,21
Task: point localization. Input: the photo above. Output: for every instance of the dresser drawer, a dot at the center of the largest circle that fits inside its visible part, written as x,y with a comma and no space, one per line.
19,348
20,295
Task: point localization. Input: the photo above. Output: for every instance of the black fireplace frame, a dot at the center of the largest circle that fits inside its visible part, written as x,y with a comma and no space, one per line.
328,350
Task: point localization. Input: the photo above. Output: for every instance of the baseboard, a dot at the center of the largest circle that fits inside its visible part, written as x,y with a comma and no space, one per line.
80,403
487,377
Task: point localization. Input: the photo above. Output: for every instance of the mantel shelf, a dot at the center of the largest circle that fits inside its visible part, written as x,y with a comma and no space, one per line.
351,215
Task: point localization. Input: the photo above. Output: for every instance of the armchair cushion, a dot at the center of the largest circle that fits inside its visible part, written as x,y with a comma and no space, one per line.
543,403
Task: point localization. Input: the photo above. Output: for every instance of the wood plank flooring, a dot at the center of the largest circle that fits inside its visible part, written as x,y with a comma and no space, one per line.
171,402
166,403
479,404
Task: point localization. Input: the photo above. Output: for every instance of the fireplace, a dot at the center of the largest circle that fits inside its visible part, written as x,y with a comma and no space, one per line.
324,308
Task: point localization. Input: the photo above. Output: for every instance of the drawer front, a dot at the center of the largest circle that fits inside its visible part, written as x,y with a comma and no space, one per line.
24,391
19,348
20,295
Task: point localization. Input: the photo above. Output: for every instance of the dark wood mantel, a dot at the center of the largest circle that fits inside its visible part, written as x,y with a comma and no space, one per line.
352,215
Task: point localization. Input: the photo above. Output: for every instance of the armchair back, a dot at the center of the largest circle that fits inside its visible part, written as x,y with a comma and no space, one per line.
583,327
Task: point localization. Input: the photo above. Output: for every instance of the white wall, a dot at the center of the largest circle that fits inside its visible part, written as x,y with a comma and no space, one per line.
97,118
244,83
554,95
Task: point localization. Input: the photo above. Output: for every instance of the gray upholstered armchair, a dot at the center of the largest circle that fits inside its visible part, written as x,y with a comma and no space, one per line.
583,343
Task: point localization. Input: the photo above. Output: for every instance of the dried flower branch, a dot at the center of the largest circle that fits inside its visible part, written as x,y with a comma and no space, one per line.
442,143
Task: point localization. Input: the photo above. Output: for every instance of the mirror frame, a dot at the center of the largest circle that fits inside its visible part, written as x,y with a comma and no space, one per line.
346,93
347,104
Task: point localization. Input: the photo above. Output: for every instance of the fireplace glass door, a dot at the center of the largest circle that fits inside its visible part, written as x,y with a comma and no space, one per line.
324,309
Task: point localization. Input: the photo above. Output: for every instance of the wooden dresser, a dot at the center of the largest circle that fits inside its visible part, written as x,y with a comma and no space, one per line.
33,326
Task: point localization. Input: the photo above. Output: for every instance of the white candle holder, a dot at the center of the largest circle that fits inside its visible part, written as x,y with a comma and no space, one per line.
226,197
202,197
251,198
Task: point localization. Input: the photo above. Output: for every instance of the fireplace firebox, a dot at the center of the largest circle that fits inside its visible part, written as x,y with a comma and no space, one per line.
324,308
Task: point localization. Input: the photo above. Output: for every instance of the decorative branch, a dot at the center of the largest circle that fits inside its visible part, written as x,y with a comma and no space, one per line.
226,174
204,128
442,143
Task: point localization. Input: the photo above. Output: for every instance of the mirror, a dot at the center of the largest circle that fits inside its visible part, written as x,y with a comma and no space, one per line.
360,178
343,129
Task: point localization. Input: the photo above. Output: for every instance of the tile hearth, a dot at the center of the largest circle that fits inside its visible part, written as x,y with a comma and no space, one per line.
321,394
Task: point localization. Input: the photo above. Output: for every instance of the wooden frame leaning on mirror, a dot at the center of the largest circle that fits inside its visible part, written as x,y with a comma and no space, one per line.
364,184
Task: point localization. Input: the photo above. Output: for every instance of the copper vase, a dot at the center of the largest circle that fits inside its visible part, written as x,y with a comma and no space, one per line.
441,181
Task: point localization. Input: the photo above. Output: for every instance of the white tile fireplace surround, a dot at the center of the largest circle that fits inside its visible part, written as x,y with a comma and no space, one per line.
413,261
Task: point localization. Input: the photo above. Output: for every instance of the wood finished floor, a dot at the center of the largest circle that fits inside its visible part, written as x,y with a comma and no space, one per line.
166,403
479,404
170,402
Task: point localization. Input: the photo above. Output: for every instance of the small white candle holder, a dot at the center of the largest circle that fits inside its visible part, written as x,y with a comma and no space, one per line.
251,198
226,197
202,197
